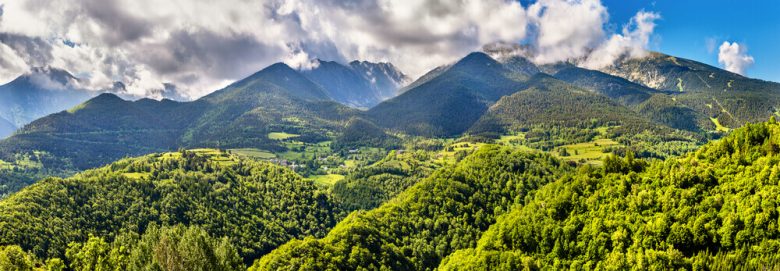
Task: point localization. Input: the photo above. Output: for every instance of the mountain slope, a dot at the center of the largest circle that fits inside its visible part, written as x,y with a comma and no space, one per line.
257,206
709,210
658,106
613,87
361,84
275,78
343,84
553,103
242,114
449,103
730,98
103,129
41,92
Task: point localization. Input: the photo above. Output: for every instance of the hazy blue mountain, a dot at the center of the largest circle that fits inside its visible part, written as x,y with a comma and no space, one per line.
386,80
360,84
38,93
343,84
6,128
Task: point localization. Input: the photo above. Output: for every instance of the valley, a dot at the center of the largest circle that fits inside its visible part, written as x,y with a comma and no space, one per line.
487,163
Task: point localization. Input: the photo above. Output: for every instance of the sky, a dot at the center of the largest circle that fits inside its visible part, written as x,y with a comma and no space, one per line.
189,48
695,29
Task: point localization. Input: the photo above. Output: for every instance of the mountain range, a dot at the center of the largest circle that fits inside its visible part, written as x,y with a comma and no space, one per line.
483,164
477,95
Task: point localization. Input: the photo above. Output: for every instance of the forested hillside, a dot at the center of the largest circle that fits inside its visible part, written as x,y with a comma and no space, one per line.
256,206
414,231
500,208
711,209
715,209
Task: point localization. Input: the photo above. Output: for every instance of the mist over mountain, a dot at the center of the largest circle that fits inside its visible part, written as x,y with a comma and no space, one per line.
41,92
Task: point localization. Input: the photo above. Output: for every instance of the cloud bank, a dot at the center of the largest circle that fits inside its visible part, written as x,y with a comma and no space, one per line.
734,57
189,48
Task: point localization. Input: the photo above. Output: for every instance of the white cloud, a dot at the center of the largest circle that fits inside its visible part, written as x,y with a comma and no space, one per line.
11,64
566,29
632,43
201,45
734,57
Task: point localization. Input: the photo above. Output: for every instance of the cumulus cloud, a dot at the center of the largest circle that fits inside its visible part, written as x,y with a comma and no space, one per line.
566,29
631,43
734,57
576,31
200,45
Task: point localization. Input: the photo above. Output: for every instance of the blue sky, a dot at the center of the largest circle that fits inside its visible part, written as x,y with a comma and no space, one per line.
686,25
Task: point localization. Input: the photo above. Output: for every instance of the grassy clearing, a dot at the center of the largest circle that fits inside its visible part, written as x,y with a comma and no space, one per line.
510,139
680,85
326,180
350,163
449,154
719,127
210,152
76,108
253,153
281,136
592,152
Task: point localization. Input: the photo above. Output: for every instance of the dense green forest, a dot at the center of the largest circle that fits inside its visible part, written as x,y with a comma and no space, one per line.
414,231
498,208
713,209
257,206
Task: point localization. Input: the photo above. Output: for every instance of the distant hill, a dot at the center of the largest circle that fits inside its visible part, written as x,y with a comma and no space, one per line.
106,128
38,93
449,101
103,129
